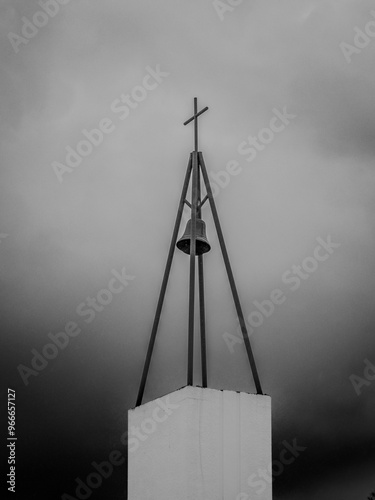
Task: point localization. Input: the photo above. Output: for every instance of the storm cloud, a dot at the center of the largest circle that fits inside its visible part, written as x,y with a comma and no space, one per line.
66,233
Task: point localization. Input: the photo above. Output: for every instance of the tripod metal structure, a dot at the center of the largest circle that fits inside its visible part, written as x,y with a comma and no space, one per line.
195,169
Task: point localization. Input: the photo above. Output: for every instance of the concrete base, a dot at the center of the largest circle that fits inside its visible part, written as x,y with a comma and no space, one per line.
200,444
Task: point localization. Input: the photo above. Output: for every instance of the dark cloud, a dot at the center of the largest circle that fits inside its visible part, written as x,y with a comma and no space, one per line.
116,209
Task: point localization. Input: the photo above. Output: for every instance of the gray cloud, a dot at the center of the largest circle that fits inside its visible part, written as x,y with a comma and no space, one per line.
117,209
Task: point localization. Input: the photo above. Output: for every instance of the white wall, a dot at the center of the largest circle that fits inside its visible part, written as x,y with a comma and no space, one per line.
200,444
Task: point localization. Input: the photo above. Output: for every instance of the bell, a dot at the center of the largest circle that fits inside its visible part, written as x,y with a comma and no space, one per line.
201,243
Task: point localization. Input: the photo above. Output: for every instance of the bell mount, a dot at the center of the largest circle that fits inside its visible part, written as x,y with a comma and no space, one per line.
196,167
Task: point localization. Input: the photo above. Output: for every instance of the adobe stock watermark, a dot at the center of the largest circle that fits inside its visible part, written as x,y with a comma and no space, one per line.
148,425
133,440
292,277
250,148
94,480
122,107
368,376
223,6
60,340
258,481
361,40
30,28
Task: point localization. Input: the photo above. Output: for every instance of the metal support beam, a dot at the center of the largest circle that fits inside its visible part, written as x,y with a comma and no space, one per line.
194,200
203,201
202,316
230,275
164,283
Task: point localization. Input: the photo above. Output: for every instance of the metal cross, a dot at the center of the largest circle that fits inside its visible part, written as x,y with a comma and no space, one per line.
194,117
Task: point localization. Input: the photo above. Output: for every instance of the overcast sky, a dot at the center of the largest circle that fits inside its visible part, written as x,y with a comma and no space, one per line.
294,78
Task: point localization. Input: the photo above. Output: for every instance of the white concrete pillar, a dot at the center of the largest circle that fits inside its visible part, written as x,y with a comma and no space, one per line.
200,444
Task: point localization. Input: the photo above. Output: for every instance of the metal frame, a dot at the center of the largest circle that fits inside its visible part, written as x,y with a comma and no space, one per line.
195,168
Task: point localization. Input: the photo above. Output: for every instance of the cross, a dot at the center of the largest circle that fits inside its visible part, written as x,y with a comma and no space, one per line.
194,117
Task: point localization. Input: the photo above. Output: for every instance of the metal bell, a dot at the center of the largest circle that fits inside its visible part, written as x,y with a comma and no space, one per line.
201,243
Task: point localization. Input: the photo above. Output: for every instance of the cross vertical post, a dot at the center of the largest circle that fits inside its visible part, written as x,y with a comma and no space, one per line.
194,204
194,212
195,125
194,117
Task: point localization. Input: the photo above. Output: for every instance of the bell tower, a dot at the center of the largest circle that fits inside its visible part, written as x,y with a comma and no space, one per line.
208,444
